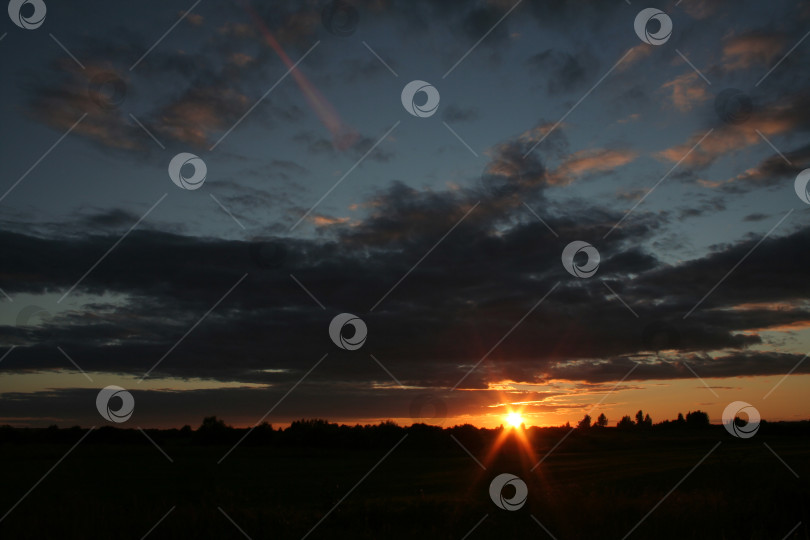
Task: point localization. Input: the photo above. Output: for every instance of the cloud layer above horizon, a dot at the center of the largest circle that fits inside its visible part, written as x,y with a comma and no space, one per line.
445,236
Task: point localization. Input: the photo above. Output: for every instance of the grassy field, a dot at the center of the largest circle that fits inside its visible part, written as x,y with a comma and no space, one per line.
594,485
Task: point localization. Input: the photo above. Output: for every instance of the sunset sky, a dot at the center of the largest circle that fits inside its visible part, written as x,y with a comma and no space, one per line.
444,233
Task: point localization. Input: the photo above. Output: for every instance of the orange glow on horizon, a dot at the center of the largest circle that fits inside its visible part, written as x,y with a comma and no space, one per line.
515,433
514,419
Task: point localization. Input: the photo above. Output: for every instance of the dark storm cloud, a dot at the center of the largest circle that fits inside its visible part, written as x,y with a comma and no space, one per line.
771,172
735,364
702,206
434,326
753,218
112,219
483,19
773,273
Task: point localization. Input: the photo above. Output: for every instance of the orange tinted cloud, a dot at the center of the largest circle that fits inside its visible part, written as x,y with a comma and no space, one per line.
744,51
241,59
62,107
537,133
196,115
687,90
636,54
194,19
591,160
788,327
773,121
770,306
709,183
325,221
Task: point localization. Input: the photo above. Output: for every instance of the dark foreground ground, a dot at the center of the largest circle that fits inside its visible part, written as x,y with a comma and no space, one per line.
595,484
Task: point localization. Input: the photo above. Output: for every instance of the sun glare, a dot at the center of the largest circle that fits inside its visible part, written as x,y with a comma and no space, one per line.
514,419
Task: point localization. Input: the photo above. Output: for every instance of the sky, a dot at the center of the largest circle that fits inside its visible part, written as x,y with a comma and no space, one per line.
317,188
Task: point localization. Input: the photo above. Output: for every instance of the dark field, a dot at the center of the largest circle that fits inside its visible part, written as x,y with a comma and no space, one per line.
596,484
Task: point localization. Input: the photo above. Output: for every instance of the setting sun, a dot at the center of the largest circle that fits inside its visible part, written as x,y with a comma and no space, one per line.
514,419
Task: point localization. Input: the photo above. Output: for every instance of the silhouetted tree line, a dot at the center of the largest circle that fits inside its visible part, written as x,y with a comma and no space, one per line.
321,433
694,419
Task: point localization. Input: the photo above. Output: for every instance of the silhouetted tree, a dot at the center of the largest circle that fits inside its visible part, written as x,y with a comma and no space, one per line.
585,423
213,424
697,419
639,418
647,421
740,421
602,421
680,419
625,423
213,430
262,434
